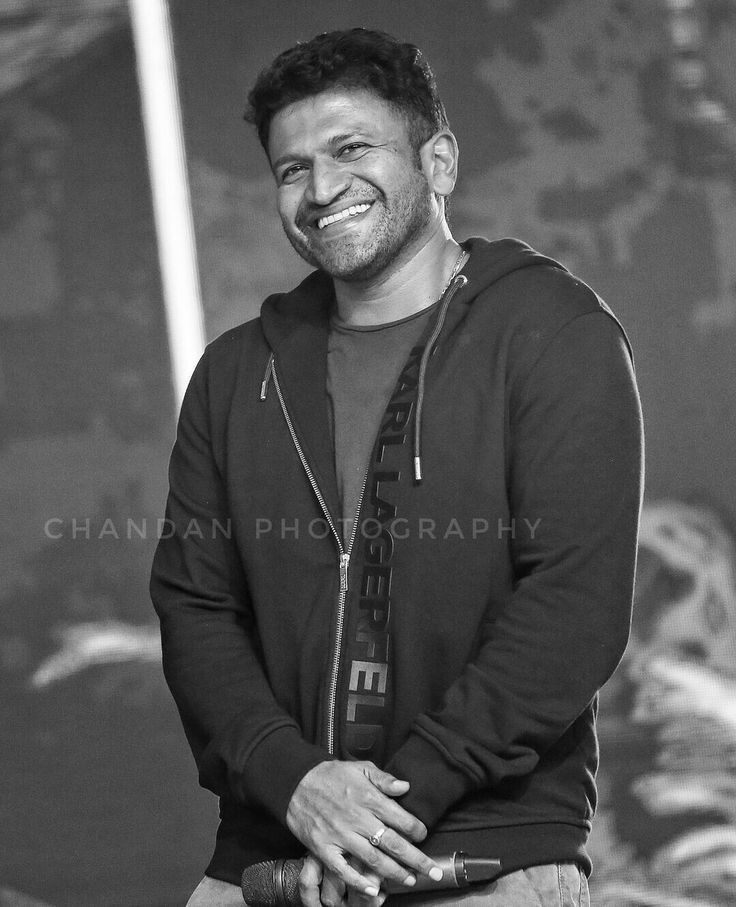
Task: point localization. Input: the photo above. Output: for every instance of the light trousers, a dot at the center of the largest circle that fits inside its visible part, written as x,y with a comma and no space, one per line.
551,885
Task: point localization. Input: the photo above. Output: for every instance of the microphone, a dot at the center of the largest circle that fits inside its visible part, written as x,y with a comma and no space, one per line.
274,883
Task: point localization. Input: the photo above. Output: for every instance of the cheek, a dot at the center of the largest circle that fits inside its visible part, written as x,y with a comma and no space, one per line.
287,205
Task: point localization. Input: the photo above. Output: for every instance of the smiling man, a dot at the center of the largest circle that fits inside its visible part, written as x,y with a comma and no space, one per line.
353,191
430,456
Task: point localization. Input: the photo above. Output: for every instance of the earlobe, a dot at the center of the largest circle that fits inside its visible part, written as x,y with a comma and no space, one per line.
439,160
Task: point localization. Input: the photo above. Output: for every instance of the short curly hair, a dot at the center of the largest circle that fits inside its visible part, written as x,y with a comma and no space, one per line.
356,58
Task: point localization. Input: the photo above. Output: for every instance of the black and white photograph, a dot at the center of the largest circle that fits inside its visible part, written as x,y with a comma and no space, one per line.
367,475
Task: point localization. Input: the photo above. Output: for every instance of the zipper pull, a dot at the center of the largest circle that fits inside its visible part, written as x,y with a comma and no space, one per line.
344,561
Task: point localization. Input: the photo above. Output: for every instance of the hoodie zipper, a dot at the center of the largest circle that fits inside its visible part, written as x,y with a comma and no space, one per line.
344,554
343,558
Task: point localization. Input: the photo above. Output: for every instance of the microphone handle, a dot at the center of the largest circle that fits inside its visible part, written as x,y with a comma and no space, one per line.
451,878
458,871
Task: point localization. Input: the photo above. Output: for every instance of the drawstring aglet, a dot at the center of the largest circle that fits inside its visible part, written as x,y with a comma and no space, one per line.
417,469
267,377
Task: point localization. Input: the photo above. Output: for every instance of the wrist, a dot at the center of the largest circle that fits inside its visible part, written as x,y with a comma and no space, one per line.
299,800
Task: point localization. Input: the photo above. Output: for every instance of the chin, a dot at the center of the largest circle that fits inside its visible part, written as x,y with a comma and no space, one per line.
355,259
352,271
345,266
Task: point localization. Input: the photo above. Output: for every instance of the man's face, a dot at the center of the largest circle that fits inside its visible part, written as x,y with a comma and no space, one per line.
352,194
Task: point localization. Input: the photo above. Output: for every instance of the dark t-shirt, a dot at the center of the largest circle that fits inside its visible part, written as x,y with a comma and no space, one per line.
363,366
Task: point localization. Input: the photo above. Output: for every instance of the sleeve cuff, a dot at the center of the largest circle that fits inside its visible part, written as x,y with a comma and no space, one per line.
276,766
436,784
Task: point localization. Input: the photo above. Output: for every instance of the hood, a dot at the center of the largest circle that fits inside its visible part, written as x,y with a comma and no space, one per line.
308,306
296,327
490,261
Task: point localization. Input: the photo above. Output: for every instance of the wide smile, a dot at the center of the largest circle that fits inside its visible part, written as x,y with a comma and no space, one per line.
343,215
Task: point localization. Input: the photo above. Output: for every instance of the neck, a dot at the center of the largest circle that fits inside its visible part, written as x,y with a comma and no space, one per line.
414,281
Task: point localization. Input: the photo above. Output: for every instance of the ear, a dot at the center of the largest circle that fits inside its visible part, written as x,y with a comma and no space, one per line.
439,157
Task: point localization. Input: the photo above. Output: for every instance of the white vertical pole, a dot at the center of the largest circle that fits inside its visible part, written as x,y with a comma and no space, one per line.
170,187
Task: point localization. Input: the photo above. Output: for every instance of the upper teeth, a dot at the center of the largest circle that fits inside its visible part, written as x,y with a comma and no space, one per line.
341,215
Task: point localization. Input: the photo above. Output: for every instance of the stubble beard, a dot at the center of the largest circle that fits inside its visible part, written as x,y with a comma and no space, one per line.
359,259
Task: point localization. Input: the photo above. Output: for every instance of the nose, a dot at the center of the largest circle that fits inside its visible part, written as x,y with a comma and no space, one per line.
327,181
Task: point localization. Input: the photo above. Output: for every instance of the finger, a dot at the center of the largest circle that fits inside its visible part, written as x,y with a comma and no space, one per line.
310,878
332,890
365,884
356,899
404,852
385,867
387,783
396,858
396,817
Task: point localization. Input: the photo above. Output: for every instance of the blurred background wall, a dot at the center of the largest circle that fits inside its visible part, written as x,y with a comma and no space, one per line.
602,133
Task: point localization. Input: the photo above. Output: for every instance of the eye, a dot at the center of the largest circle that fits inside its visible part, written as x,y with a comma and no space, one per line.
352,151
291,173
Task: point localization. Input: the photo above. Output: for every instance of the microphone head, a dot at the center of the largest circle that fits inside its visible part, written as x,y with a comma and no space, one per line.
273,883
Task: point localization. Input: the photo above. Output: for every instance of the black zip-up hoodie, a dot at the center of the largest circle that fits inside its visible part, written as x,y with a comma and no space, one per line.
461,639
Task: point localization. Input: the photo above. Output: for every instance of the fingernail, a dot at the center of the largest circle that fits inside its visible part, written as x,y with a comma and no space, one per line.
371,891
410,880
436,873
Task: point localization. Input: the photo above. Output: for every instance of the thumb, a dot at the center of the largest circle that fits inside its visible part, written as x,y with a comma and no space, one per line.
386,783
311,871
309,881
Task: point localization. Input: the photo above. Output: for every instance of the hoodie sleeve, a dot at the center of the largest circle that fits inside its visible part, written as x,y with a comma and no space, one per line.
575,457
244,744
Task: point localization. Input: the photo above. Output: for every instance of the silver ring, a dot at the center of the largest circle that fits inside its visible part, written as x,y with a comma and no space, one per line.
375,839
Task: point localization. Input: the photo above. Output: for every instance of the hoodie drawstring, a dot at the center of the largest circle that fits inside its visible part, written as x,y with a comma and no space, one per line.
267,377
456,284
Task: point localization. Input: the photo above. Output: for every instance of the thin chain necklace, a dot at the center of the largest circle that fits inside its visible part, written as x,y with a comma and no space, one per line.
461,259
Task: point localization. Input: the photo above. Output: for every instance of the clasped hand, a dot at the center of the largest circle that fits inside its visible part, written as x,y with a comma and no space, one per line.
334,811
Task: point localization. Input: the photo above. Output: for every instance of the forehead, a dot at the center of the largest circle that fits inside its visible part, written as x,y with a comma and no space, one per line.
312,123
